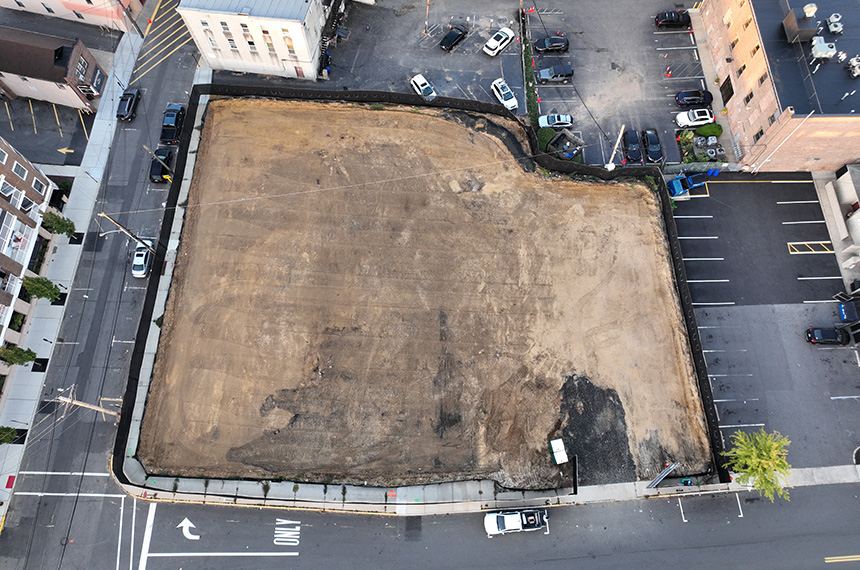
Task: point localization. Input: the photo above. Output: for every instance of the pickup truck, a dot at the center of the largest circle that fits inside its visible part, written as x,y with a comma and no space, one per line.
171,125
516,521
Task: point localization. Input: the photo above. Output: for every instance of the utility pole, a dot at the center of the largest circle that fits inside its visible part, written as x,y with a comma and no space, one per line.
128,232
72,402
130,18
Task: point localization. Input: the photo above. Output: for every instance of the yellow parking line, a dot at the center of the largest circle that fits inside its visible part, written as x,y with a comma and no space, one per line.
86,134
144,57
138,78
57,118
152,18
852,558
808,247
32,116
9,115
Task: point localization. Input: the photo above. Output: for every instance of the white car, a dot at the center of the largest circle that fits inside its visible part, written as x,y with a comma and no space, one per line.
695,118
504,94
423,87
499,41
141,261
555,121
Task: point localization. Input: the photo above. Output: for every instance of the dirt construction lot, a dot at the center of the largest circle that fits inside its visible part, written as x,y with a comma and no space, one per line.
389,296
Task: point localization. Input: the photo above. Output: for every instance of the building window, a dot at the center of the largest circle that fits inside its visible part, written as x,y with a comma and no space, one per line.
758,135
48,8
727,20
26,205
771,120
741,3
733,44
288,41
748,22
252,46
245,29
20,4
741,69
754,50
232,44
6,189
212,43
727,91
78,14
82,66
225,28
268,39
90,2
39,186
20,171
60,86
205,25
763,78
748,98
3,156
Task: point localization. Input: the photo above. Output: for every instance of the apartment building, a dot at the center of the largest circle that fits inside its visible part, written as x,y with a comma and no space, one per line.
269,37
784,81
24,195
48,68
111,14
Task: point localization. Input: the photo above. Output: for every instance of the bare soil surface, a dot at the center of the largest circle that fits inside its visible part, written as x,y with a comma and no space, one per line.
391,297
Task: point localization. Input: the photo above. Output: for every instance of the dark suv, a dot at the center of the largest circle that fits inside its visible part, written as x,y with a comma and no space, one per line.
827,336
677,20
128,104
454,36
555,74
158,173
551,44
694,98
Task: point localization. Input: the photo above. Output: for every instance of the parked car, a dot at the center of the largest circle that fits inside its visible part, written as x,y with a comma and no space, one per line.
171,124
694,98
499,41
454,36
555,74
504,94
556,121
673,19
423,87
631,147
128,101
516,521
653,150
830,335
141,261
158,172
551,44
694,118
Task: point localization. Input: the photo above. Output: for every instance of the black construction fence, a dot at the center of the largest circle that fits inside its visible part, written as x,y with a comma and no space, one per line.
254,90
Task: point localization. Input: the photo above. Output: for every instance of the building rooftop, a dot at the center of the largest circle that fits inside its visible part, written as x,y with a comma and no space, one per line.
34,55
801,81
273,9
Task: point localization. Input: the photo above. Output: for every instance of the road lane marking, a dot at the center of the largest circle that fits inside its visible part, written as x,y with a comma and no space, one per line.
42,494
712,304
725,350
707,280
816,278
744,400
823,301
683,518
857,356
703,259
692,217
844,397
803,222
119,538
798,202
719,326
147,536
851,558
131,542
741,426
738,497
726,375
216,554
66,473
698,237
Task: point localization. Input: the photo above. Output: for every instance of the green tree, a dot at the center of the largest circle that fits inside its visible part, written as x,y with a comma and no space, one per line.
13,355
759,460
42,287
7,434
57,224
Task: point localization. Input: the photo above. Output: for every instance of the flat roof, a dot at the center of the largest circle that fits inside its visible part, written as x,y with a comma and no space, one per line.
273,9
32,54
792,66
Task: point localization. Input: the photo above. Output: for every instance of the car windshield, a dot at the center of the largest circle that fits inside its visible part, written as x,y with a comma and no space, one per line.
426,89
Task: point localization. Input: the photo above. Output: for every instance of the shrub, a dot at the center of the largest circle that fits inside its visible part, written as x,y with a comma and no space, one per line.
57,224
377,107
13,355
7,434
712,130
42,287
17,322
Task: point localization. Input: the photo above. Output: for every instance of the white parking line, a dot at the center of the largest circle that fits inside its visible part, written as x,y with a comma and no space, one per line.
698,237
741,426
671,48
803,222
711,304
683,518
791,181
707,280
815,278
147,536
857,356
798,202
692,217
825,301
725,350
703,259
726,375
744,400
97,495
844,397
719,326
66,473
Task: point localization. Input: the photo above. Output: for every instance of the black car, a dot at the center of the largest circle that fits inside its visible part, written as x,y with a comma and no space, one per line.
676,20
653,151
158,172
171,124
694,98
827,336
454,36
555,74
127,108
551,44
632,148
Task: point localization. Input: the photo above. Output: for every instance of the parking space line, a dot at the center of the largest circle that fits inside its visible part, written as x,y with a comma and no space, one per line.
703,259
671,48
692,217
740,510
707,280
818,278
683,518
844,397
857,356
822,301
725,350
744,400
726,375
698,237
798,202
712,304
803,222
809,247
741,426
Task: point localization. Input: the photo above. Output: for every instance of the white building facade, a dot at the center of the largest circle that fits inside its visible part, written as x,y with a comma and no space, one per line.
111,14
269,37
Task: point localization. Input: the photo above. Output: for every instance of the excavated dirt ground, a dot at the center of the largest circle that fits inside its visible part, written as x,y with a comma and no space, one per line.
390,297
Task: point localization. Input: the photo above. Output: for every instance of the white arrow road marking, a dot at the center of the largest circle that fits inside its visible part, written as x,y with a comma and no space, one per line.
186,526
